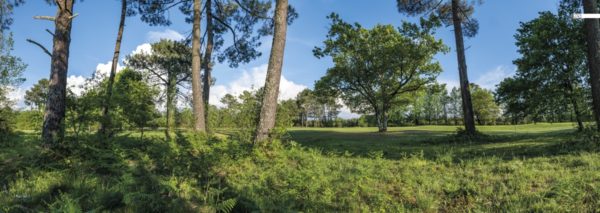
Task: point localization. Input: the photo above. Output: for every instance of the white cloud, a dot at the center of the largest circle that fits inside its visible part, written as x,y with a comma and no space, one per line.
145,48
76,84
252,80
345,112
103,70
490,79
154,36
450,83
16,96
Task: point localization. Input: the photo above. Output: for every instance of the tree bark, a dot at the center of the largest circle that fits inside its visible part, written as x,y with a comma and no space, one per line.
170,105
268,109
576,110
592,27
469,121
207,77
54,117
106,121
199,118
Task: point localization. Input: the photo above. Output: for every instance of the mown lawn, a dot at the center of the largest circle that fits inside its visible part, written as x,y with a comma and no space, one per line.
537,168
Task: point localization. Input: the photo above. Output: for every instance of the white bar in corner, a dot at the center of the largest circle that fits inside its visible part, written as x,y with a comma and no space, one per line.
586,16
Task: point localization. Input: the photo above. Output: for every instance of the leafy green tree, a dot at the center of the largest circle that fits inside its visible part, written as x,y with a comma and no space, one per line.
552,64
135,99
106,104
83,110
6,10
373,67
317,107
235,19
457,13
485,109
11,70
168,65
36,96
455,105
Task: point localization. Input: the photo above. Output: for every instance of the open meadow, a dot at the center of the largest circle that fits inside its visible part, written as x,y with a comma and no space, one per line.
537,167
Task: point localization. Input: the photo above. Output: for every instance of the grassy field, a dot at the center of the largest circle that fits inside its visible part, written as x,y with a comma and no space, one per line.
527,168
504,141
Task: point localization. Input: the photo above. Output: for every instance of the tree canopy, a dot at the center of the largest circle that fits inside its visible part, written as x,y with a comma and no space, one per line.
373,66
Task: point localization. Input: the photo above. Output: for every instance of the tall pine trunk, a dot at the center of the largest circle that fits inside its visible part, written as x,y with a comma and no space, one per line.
106,121
469,120
207,77
54,117
593,55
268,109
199,118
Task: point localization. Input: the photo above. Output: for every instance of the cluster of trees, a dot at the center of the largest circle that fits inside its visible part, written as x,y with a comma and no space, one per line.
386,73
235,17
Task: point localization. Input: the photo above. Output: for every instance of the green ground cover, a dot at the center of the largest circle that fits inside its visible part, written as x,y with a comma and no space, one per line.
537,168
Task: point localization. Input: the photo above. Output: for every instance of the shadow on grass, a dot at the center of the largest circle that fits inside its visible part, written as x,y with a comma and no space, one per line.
432,144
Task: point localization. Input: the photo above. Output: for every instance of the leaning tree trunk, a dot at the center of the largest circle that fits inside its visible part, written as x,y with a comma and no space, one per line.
53,127
268,109
106,121
593,55
207,77
469,121
199,118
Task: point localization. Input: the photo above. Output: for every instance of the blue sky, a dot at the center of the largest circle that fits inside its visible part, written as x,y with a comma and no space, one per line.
489,54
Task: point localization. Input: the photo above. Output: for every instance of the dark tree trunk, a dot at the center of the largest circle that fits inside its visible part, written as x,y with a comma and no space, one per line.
576,110
54,117
106,121
268,111
199,118
170,105
207,77
469,120
593,55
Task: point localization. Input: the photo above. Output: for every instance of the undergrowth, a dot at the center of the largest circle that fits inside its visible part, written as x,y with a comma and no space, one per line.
199,173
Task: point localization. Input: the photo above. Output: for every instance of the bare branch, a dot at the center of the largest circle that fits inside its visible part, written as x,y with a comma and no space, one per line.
48,18
41,46
47,30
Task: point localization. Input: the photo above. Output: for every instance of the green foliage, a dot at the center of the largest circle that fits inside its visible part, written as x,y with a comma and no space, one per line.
11,71
554,69
407,170
135,98
29,120
36,96
485,109
317,108
373,67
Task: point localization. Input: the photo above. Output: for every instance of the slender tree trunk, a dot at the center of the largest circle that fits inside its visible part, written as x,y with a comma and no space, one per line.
469,121
207,77
576,110
106,121
54,117
268,111
199,118
592,27
171,92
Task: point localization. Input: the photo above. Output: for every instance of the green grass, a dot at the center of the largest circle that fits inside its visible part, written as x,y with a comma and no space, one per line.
537,168
504,141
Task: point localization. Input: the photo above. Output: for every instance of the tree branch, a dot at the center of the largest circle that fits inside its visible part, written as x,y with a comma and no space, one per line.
48,18
47,30
41,46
